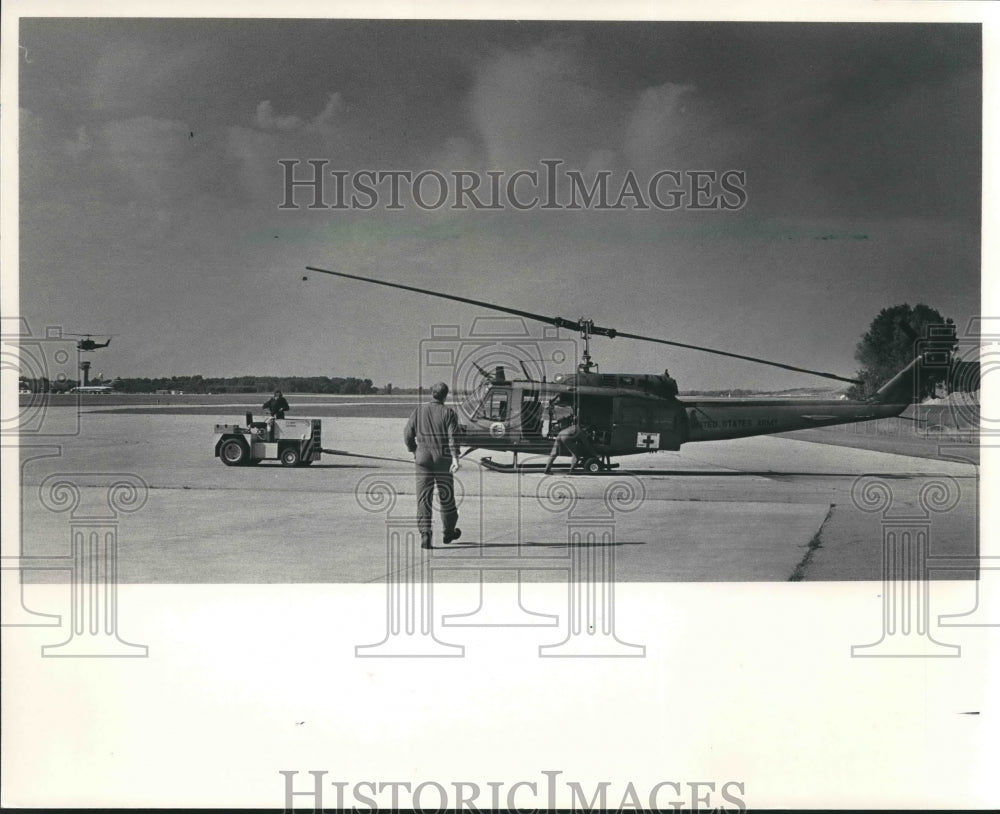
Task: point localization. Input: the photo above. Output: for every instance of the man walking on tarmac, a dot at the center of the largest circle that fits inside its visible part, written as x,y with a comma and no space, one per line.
431,435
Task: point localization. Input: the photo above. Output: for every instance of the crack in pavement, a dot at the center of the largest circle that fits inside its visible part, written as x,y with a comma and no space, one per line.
815,543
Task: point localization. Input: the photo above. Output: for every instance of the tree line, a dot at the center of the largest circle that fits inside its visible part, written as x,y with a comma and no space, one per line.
349,385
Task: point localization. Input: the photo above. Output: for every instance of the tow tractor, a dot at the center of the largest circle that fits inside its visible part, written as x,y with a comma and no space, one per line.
293,441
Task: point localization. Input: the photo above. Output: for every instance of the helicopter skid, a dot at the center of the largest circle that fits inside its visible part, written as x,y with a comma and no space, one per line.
496,466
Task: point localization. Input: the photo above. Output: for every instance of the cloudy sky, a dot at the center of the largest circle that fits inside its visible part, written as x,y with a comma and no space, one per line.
150,187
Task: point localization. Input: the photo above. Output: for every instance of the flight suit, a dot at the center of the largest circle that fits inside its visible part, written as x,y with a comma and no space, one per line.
432,435
573,439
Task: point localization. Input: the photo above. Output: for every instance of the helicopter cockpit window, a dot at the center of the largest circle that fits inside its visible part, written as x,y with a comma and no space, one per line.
492,404
475,404
497,405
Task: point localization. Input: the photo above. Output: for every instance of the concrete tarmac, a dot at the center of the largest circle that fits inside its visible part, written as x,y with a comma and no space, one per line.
759,509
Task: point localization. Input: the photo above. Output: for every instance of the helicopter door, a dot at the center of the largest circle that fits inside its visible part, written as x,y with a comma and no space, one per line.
646,424
531,415
596,413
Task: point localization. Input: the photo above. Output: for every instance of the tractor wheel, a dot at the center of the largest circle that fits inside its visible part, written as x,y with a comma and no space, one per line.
592,465
290,457
234,452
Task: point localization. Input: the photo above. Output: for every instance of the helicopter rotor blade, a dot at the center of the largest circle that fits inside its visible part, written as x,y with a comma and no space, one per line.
579,325
740,356
558,321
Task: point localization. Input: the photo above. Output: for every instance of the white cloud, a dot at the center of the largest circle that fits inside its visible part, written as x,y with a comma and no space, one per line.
544,102
327,117
255,154
267,119
256,150
538,103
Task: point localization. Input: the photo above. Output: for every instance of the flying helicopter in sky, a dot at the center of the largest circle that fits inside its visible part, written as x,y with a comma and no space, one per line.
631,413
88,344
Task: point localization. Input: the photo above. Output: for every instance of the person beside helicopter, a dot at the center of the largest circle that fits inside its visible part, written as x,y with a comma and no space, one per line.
574,438
431,434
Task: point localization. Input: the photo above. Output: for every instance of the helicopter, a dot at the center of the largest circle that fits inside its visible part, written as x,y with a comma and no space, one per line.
631,413
88,344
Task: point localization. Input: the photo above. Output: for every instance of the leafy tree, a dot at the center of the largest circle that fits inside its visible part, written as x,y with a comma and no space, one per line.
890,345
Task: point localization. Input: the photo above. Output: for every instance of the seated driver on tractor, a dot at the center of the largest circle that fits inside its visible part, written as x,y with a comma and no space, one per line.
276,406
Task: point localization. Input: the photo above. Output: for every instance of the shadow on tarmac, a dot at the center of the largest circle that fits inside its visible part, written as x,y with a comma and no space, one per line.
529,544
344,466
758,474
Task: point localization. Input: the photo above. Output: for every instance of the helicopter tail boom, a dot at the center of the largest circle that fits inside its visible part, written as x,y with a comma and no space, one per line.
905,386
